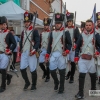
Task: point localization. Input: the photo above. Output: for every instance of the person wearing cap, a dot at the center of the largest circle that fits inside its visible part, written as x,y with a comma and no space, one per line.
9,76
43,46
57,51
86,62
97,29
82,26
30,42
74,34
7,45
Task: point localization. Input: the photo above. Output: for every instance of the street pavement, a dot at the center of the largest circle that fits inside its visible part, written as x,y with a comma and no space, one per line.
44,90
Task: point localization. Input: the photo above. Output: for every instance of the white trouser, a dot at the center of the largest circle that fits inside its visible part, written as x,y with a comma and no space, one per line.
86,65
4,61
98,66
57,61
27,60
71,56
42,55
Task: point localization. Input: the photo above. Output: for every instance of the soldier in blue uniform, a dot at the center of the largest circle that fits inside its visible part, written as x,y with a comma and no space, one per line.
30,42
43,46
7,45
86,63
74,34
97,29
58,48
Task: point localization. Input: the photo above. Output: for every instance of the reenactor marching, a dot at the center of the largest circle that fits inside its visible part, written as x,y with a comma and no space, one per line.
56,55
86,44
30,41
97,29
74,34
7,45
43,48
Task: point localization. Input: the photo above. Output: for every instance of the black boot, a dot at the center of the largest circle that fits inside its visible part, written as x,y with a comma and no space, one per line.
73,66
68,75
62,80
9,77
3,83
93,81
54,76
99,81
44,70
80,94
25,77
34,80
47,72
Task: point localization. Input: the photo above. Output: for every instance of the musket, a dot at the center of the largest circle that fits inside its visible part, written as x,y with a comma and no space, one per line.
10,59
51,24
73,40
33,31
64,27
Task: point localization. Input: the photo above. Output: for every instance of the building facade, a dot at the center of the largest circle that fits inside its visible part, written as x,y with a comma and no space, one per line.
44,8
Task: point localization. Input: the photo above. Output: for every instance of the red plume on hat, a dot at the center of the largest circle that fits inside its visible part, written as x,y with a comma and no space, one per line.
67,13
28,16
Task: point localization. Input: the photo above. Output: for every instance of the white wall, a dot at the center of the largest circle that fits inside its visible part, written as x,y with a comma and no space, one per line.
57,6
25,4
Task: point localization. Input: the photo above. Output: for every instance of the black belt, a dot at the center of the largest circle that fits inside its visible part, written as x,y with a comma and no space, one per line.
1,52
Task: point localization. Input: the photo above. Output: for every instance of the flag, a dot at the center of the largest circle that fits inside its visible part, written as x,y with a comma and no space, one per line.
93,18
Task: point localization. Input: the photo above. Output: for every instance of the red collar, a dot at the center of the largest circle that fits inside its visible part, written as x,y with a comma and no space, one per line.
6,30
30,27
89,32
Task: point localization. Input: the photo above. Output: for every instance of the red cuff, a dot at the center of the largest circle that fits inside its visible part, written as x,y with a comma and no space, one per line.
75,46
67,51
47,56
7,50
33,52
97,53
76,59
19,54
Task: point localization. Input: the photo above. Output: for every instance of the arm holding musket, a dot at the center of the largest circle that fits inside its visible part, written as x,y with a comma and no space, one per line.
68,43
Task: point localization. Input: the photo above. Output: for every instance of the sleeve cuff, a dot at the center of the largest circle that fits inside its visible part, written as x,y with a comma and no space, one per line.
47,56
75,46
76,59
8,50
67,51
33,51
97,53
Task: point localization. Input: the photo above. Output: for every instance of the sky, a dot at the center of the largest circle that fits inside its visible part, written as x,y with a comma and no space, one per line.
83,8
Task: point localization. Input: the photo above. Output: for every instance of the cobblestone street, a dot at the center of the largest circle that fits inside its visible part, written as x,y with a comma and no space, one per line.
44,90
